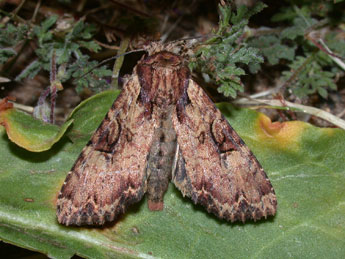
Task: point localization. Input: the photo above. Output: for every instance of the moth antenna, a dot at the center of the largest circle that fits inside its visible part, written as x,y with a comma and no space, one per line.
107,60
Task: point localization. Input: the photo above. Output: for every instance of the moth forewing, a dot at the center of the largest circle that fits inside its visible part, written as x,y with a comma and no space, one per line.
164,127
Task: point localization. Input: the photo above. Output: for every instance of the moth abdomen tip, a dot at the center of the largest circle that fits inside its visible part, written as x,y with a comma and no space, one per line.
155,206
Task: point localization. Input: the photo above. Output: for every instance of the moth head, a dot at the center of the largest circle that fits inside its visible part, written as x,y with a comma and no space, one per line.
184,47
166,59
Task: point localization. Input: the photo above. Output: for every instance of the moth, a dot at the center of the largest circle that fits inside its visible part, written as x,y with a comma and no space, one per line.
163,127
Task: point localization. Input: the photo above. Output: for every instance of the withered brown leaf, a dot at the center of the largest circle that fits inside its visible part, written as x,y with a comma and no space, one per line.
164,127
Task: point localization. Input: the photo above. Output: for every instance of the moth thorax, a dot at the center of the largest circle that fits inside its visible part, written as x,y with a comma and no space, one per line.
164,98
165,93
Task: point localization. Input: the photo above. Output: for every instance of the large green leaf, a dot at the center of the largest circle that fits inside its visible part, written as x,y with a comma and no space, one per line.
30,133
306,166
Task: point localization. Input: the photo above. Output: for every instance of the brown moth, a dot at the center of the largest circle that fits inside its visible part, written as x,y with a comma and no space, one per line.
161,128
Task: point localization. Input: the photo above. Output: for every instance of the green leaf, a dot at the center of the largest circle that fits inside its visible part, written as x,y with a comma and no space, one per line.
244,13
6,53
271,47
89,114
77,29
42,32
224,17
306,166
30,71
322,92
11,35
294,31
30,133
49,22
289,13
90,45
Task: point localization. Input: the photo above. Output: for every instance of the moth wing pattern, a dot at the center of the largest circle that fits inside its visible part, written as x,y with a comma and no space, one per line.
214,167
132,151
110,172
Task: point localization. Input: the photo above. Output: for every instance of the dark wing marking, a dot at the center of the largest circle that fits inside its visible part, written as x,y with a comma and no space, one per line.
215,167
110,173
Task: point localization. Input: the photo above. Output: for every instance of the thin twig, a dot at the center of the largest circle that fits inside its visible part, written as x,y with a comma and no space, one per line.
174,25
119,61
131,9
33,18
19,7
270,92
81,6
53,90
106,45
22,107
14,17
334,58
341,114
296,107
95,10
171,28
30,109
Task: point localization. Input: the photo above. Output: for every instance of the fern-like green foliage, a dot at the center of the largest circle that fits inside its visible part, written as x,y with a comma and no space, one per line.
10,35
73,63
80,70
222,56
273,49
312,70
308,77
67,45
6,53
